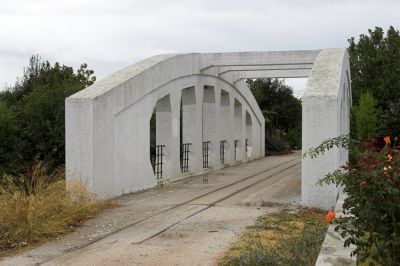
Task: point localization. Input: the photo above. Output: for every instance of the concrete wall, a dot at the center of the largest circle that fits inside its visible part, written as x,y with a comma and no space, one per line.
326,106
108,123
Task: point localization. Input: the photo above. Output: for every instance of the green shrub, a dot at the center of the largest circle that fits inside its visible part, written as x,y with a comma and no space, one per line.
37,104
372,184
9,143
366,117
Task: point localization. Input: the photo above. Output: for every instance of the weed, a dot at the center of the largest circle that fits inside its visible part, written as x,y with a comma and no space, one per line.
37,206
280,239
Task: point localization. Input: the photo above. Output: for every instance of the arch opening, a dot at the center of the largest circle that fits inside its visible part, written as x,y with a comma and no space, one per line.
160,137
238,130
249,135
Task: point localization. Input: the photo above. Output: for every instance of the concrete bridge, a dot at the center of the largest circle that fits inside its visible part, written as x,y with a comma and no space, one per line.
205,117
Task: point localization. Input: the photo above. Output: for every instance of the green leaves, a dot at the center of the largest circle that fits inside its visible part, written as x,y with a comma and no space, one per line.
372,206
37,102
342,141
375,65
366,117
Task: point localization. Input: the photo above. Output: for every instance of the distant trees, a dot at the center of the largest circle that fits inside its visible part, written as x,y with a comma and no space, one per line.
280,107
32,114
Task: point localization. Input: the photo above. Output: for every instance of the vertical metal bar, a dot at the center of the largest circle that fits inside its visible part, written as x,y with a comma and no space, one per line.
236,145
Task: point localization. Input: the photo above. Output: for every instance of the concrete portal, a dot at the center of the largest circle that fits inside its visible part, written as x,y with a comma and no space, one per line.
206,118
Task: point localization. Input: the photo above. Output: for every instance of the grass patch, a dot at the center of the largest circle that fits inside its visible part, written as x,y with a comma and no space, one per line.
37,206
280,239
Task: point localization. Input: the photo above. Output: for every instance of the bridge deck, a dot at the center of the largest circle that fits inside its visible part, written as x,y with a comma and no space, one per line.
189,222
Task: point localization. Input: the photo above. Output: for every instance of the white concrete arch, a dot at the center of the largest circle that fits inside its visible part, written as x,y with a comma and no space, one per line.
107,124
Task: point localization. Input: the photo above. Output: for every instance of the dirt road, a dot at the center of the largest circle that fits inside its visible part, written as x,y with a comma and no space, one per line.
189,222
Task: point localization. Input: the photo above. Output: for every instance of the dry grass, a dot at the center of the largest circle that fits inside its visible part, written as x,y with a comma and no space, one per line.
280,239
37,206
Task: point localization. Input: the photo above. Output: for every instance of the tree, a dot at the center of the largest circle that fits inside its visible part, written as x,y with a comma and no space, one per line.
38,104
275,97
375,66
366,117
281,109
390,120
9,146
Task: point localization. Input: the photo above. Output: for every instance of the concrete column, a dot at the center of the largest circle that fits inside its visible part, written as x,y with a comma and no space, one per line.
198,137
210,123
189,128
175,168
225,124
164,133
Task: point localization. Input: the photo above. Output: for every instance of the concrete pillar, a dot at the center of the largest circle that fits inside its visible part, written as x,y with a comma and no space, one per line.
196,155
164,133
249,135
189,122
175,167
210,123
225,124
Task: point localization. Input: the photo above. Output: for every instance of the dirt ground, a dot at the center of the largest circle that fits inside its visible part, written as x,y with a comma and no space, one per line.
187,222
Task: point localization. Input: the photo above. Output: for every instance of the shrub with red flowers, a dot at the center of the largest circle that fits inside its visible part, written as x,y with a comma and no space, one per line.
372,183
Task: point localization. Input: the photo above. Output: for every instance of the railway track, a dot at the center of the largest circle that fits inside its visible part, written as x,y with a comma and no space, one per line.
212,198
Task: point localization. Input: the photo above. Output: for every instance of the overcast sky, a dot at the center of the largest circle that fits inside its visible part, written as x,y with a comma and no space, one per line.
110,35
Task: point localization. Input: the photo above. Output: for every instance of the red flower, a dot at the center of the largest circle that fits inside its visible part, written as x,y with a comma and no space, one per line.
330,216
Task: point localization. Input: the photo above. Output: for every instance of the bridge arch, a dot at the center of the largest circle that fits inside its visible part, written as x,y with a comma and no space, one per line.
107,124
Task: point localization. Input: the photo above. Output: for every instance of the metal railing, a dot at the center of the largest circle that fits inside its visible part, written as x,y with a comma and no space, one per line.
185,151
206,148
222,151
236,144
159,161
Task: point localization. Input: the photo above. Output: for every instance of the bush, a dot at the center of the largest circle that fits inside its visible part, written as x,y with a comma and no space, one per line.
9,146
372,184
38,106
366,117
38,207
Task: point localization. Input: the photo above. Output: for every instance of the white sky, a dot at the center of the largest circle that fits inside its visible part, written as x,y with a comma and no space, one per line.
110,35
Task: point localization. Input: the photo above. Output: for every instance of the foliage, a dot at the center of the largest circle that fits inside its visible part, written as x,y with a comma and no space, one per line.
293,137
375,66
366,117
342,141
372,185
38,207
274,96
37,101
280,239
281,109
390,120
9,155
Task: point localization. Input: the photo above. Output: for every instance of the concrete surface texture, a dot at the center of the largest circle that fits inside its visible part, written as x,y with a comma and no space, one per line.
187,222
333,251
204,98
